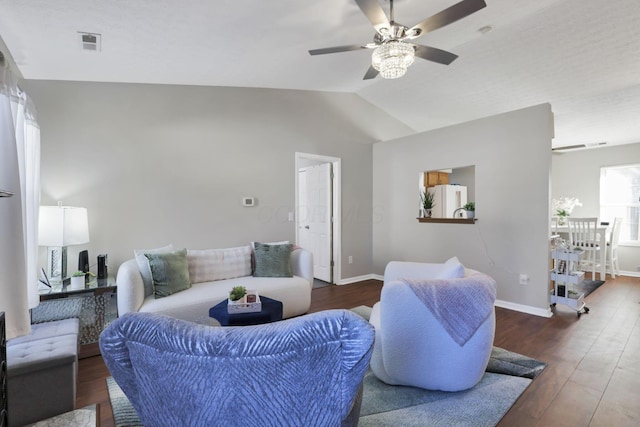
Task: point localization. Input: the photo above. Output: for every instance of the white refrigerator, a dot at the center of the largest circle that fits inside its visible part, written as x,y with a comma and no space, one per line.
448,198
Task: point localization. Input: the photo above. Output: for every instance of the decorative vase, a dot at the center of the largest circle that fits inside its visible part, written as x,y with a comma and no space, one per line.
77,282
562,220
427,213
471,214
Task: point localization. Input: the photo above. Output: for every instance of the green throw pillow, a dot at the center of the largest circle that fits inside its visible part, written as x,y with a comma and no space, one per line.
272,260
169,272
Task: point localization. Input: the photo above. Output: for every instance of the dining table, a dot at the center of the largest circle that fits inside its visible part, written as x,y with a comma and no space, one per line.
601,230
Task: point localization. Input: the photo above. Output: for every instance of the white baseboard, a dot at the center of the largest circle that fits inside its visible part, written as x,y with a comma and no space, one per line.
499,303
524,308
350,280
630,273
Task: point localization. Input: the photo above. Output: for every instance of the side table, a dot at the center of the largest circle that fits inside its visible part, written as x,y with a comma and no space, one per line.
96,305
271,312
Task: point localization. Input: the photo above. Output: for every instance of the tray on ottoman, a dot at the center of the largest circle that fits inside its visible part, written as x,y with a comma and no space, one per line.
245,305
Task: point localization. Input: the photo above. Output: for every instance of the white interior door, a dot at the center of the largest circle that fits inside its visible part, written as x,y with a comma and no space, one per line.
315,196
304,239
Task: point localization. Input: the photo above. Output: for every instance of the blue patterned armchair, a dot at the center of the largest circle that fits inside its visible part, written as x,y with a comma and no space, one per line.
305,371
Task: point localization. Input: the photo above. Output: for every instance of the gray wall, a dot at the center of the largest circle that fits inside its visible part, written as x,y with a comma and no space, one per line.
465,176
577,174
512,157
161,164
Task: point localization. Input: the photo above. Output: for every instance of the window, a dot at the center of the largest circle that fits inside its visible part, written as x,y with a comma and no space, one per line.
451,189
620,197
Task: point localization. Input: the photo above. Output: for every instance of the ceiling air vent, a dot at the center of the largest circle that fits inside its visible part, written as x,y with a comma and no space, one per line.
90,41
575,147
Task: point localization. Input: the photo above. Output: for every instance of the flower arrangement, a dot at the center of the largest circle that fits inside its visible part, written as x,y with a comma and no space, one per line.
564,205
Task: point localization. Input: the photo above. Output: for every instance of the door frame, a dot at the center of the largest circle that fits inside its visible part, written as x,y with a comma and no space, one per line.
336,215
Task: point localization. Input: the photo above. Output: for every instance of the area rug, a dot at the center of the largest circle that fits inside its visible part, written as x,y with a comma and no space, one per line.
483,405
385,405
506,378
123,413
507,362
588,286
83,417
363,311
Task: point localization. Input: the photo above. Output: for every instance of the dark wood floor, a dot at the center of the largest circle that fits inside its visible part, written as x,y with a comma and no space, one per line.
593,372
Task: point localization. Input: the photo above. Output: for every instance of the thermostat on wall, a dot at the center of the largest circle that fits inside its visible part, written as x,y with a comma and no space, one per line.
248,201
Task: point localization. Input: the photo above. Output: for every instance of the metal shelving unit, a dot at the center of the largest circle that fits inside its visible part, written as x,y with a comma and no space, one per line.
565,277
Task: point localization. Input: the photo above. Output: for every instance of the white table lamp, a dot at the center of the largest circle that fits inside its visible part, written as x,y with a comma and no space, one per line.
59,227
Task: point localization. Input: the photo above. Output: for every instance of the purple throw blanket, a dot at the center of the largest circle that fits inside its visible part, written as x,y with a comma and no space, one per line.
460,305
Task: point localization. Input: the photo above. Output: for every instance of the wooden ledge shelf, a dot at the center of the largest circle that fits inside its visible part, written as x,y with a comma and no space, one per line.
449,220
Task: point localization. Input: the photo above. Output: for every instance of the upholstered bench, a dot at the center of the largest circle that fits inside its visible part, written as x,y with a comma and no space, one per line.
41,371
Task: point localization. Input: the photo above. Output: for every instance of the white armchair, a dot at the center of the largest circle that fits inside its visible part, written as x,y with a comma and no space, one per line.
440,340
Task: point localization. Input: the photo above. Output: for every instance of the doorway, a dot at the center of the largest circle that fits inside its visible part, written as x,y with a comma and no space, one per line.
318,211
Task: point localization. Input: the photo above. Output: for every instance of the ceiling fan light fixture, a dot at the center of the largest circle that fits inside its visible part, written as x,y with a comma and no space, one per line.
393,58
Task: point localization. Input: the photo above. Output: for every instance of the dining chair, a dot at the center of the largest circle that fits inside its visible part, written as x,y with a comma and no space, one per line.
612,248
583,235
555,226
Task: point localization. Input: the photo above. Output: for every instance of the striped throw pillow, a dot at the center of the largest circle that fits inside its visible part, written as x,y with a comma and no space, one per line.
218,264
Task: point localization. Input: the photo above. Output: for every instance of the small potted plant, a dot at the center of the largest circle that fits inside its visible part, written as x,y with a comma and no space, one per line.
242,300
470,209
237,293
427,203
78,280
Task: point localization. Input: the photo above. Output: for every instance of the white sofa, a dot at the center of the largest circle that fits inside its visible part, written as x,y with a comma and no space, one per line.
193,304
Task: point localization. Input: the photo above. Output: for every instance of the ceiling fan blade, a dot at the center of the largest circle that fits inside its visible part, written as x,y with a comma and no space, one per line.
374,12
436,55
371,73
336,49
448,16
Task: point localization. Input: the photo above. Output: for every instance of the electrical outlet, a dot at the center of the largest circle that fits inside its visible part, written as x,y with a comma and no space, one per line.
350,259
524,279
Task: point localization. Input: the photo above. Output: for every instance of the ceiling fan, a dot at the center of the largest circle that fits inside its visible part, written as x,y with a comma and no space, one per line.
393,53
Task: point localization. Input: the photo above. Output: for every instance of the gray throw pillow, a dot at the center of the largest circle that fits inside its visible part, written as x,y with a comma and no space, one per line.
143,265
272,260
169,272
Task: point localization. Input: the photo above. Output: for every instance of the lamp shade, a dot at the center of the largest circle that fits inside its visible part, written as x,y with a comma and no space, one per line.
63,226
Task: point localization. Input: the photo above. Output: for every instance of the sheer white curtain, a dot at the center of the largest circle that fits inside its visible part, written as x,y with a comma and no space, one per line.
28,149
20,174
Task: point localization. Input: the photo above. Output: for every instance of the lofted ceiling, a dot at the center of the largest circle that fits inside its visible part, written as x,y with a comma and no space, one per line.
581,56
